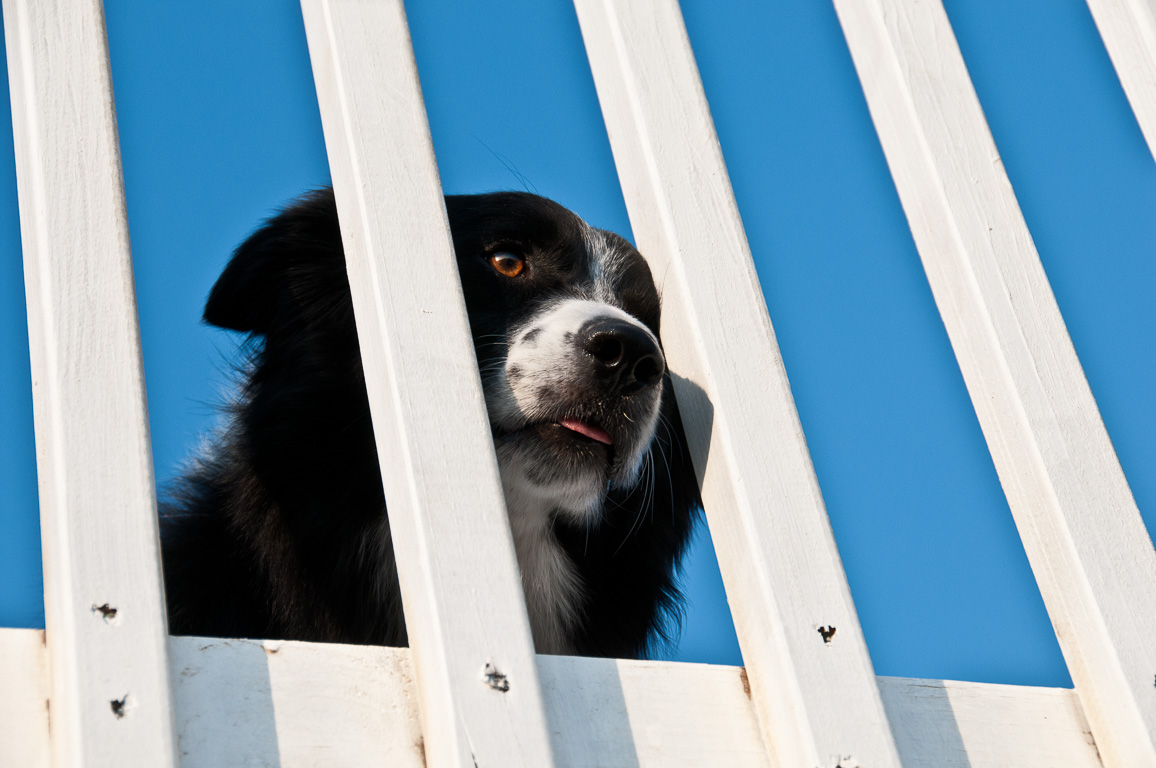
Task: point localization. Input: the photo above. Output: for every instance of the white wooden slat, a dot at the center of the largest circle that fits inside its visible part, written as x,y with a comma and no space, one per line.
248,702
24,737
1128,28
607,712
1091,555
817,700
460,587
111,697
948,724
294,705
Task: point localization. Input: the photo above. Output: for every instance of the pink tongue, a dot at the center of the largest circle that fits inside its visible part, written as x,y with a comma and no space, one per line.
591,431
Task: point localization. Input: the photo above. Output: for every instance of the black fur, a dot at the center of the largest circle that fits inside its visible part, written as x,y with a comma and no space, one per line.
278,530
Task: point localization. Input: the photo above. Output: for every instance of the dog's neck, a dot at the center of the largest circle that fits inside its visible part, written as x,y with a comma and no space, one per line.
549,577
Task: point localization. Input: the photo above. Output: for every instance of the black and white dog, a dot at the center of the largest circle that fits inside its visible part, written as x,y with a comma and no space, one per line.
279,530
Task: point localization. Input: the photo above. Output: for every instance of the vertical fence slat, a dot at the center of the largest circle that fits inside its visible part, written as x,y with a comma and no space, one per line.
816,696
460,587
1091,555
111,698
1128,28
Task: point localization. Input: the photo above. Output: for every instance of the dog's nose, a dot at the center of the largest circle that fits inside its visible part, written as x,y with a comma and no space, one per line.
624,356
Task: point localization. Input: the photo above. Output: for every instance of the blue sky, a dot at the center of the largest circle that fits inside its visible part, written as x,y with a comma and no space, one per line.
219,125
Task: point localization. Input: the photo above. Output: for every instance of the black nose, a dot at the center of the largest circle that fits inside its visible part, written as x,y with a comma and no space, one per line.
624,356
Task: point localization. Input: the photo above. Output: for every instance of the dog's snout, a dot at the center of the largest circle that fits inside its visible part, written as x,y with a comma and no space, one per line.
624,356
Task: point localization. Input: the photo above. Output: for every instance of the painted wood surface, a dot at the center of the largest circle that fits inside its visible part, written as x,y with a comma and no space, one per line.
300,705
1091,555
459,579
252,702
949,724
810,671
1128,28
607,712
24,699
111,698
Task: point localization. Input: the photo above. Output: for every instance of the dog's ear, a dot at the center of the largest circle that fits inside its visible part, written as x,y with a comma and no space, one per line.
287,259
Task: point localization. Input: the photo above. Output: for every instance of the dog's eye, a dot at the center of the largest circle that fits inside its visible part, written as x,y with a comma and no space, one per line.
507,264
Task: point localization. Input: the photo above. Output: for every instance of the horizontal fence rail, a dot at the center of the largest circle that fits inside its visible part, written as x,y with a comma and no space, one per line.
810,673
461,592
1090,553
1128,28
110,697
251,702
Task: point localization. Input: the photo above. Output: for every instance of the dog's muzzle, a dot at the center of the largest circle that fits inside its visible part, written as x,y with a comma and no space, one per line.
624,357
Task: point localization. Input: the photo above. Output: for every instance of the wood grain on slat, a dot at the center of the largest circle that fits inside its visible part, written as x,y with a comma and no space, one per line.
949,724
240,701
24,736
460,587
1128,28
248,702
608,712
111,698
1091,555
817,700
288,704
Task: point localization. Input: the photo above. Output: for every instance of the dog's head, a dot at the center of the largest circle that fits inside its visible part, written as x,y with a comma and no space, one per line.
564,318
565,322
598,478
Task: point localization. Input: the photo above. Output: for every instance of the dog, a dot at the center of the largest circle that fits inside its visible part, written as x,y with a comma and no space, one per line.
278,526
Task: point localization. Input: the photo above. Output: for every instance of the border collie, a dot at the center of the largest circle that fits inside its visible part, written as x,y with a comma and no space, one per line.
278,528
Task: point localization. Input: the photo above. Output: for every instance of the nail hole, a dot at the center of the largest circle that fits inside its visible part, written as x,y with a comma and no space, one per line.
495,679
106,610
118,706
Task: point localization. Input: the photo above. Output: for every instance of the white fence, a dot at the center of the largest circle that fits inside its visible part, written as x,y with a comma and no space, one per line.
119,692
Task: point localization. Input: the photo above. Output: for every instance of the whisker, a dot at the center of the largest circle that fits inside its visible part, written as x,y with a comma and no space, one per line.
647,500
669,479
670,433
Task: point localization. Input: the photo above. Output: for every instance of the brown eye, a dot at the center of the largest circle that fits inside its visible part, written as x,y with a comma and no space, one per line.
507,264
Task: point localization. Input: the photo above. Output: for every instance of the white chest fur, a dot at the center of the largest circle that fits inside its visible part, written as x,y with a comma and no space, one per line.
549,578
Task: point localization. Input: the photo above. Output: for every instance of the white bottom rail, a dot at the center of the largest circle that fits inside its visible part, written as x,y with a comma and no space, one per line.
290,704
